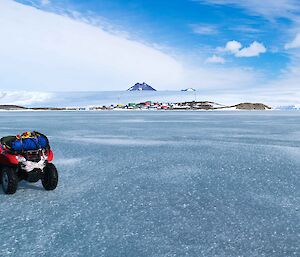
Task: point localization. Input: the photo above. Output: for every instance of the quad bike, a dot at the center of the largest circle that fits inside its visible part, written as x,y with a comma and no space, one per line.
31,166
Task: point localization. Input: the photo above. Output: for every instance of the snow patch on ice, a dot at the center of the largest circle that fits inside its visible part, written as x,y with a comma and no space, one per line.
120,141
68,161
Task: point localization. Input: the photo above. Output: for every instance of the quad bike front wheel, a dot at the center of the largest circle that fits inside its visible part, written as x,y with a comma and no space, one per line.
50,177
9,180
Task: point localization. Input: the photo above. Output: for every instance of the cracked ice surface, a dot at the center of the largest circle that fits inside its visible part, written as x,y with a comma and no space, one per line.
159,184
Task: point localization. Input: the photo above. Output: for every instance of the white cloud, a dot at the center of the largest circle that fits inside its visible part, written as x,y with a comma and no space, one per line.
233,46
294,44
267,8
246,29
43,51
46,51
255,49
45,2
204,29
236,48
215,59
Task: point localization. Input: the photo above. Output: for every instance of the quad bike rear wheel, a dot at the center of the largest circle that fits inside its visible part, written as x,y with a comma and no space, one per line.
50,177
9,180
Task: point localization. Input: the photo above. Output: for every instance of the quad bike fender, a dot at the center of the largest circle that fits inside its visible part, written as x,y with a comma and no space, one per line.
8,159
50,155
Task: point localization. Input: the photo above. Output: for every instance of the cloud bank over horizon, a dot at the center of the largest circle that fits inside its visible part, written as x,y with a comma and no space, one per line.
49,52
46,51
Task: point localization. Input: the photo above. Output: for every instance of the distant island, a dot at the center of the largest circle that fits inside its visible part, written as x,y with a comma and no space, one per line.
149,105
141,87
188,89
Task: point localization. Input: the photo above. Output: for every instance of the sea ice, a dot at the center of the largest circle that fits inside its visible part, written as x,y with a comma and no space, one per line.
159,184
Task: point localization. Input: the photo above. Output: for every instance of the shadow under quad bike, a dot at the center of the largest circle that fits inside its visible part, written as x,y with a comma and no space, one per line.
30,165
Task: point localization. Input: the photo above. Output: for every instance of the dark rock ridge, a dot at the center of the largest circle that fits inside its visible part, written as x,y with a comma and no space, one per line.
252,106
11,107
188,89
141,87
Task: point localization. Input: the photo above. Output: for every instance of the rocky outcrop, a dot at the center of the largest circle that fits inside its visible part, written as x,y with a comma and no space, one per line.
141,87
189,90
252,106
11,107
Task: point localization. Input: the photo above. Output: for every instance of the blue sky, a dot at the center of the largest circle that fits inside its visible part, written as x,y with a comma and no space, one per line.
191,26
212,45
